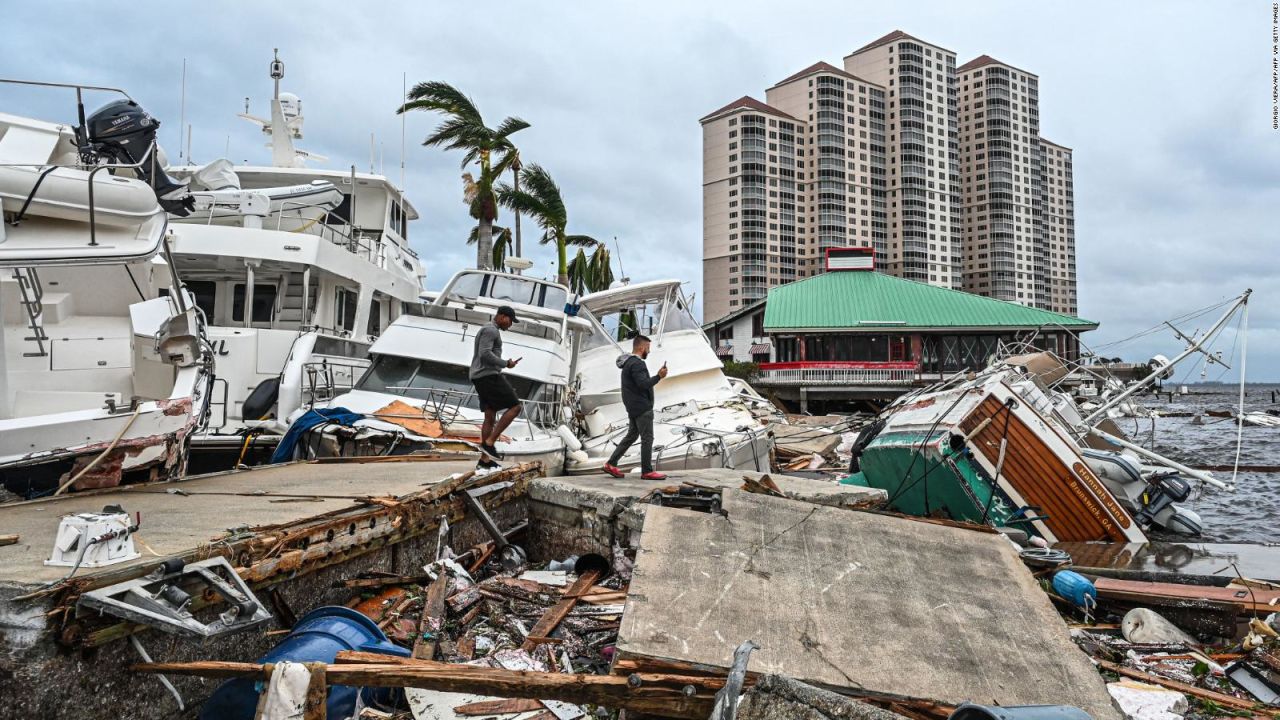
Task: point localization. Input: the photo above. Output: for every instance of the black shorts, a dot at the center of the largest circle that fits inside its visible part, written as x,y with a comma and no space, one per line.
495,393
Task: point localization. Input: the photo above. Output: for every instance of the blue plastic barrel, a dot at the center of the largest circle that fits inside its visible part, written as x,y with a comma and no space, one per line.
969,711
1075,587
317,637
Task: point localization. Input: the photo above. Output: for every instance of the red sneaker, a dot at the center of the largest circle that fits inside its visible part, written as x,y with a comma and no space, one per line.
654,475
614,471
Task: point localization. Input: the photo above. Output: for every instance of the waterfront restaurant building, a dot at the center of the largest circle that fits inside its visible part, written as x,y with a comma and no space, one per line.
852,333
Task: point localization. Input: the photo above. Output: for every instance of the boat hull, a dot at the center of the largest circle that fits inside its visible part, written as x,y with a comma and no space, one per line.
939,456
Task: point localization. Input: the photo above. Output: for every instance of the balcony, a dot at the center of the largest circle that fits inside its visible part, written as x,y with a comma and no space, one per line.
807,374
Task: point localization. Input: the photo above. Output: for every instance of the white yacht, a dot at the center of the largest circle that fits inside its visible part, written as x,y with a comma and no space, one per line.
701,419
417,395
296,270
104,370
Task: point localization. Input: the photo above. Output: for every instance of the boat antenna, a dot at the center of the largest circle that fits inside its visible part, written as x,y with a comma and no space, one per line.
372,153
404,95
182,107
618,251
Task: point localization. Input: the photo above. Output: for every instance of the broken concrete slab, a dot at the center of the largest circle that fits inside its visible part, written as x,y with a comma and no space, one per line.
852,600
578,514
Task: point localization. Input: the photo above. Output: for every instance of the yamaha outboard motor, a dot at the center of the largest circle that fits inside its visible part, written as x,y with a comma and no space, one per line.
1162,492
122,132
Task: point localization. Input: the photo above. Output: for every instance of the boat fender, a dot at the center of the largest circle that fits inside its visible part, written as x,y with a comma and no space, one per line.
259,403
571,441
579,456
1075,587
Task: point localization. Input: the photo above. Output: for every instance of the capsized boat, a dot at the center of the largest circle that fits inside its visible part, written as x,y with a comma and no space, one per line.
104,365
701,419
416,395
988,450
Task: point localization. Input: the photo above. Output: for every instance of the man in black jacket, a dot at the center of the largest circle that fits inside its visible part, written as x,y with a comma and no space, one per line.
637,396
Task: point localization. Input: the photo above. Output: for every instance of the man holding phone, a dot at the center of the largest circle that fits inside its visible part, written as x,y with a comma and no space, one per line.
637,396
492,388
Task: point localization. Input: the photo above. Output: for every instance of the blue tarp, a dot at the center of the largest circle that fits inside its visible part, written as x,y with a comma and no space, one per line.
310,419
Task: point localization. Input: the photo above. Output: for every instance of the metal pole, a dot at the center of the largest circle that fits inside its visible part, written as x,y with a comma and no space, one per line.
248,295
1195,346
1192,472
306,297
182,108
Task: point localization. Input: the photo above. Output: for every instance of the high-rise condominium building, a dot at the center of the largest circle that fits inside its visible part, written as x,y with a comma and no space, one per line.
1060,226
924,179
1007,256
881,154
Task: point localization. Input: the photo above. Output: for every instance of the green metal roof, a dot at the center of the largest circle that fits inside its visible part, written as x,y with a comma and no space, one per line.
863,300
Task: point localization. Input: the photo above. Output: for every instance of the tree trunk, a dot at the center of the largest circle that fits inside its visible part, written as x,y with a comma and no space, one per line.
563,269
484,244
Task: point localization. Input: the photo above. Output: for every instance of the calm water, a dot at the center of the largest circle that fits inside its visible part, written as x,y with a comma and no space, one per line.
1252,512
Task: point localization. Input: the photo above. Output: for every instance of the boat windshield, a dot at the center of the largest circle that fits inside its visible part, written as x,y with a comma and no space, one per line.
438,382
509,288
616,323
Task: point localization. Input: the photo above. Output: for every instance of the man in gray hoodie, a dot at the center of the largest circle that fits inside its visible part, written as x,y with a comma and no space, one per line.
637,396
493,390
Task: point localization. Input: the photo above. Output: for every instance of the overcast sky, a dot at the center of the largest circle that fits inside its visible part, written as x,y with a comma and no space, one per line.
1168,106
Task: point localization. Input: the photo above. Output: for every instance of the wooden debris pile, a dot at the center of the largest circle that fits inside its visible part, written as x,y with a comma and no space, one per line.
1219,645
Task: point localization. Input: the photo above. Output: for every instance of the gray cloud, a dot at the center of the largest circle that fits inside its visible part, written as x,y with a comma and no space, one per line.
1167,106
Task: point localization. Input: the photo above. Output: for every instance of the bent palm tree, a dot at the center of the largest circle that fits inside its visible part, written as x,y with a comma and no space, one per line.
540,199
490,148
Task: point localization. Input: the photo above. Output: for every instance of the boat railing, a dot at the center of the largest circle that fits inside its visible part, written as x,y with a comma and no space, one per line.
326,378
447,406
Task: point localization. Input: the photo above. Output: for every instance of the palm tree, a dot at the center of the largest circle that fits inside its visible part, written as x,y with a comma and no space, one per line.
501,243
590,274
490,148
540,199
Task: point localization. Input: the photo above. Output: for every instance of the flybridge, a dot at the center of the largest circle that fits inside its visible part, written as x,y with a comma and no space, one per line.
851,258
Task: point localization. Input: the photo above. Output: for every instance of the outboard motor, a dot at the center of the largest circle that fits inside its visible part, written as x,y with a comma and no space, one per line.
1162,492
122,132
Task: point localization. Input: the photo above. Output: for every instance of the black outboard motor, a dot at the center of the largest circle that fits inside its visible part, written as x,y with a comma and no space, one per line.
122,132
1162,491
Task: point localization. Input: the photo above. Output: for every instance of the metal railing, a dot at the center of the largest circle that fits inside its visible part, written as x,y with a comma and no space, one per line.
325,379
831,374
446,406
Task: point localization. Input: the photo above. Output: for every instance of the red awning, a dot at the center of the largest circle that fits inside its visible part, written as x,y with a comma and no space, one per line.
724,350
760,348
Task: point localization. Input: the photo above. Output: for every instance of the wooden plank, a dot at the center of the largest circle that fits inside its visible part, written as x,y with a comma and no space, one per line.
315,706
1249,600
551,618
1220,698
432,622
659,695
9,540
498,707
908,706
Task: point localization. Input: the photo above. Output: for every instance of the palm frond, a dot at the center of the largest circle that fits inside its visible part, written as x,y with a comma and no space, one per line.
538,182
523,202
508,126
501,235
581,240
442,97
